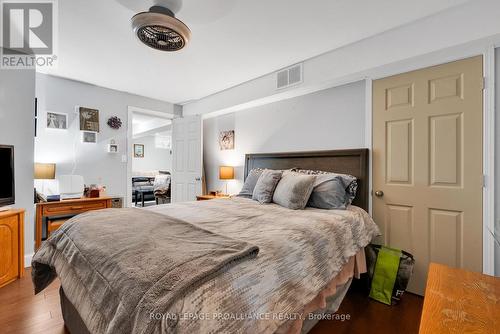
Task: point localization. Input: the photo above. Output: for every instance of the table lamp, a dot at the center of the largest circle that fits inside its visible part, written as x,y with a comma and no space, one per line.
45,172
226,173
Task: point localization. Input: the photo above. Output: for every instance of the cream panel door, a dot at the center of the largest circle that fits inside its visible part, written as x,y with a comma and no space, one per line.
427,165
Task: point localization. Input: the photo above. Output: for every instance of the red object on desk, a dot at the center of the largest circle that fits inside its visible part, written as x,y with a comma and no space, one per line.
94,193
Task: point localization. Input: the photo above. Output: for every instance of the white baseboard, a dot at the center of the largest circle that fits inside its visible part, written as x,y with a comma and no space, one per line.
27,260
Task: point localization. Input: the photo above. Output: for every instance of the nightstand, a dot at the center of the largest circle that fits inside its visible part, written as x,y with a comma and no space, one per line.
207,197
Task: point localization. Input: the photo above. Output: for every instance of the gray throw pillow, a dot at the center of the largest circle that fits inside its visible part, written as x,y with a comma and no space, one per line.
250,182
266,184
293,190
331,190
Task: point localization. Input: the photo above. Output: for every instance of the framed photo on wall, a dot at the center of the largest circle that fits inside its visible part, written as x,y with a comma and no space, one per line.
112,148
138,151
226,140
89,119
89,137
57,120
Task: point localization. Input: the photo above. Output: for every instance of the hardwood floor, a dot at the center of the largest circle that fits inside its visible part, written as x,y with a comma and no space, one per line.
369,316
23,312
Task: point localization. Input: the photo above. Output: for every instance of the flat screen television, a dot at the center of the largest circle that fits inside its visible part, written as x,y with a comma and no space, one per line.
7,189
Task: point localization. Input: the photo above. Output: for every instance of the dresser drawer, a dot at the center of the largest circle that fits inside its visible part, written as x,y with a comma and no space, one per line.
71,208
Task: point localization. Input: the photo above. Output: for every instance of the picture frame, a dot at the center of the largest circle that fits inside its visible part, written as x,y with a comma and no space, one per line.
57,121
226,140
89,119
112,148
138,151
89,137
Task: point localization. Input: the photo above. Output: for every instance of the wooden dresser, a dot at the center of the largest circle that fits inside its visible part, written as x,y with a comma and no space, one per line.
460,301
66,208
11,246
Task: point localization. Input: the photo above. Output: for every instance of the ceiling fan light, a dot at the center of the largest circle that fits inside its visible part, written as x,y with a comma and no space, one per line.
159,29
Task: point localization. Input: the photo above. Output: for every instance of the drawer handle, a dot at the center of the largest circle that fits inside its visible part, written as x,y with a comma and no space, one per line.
76,207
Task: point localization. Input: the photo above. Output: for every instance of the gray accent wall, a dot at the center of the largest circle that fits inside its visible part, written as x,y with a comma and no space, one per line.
325,120
65,147
155,158
17,100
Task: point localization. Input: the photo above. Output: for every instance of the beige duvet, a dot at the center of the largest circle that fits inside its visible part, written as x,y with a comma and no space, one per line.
300,253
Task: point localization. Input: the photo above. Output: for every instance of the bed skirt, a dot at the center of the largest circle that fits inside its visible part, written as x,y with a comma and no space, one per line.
72,320
74,323
327,302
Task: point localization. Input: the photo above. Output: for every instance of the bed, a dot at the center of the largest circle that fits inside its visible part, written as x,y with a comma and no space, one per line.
287,265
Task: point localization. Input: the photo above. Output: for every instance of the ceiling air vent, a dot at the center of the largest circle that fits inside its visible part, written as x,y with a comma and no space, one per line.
289,76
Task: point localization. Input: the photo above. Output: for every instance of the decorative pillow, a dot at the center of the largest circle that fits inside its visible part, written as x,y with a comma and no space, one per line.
331,190
250,182
293,190
266,184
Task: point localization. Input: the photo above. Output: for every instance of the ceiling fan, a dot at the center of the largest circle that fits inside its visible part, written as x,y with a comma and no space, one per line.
158,28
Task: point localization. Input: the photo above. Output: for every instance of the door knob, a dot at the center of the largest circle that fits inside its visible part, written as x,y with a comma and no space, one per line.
379,193
197,178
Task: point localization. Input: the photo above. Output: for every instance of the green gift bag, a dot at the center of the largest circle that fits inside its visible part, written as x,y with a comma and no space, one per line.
389,270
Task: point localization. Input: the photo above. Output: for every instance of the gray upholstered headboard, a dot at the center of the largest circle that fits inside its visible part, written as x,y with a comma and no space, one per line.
353,161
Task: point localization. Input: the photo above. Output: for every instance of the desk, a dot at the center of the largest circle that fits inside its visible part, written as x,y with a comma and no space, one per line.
70,207
460,301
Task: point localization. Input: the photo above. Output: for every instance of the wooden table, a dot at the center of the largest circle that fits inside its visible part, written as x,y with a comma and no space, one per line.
207,197
460,301
70,207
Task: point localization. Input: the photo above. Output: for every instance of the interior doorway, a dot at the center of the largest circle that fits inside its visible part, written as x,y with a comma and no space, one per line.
149,157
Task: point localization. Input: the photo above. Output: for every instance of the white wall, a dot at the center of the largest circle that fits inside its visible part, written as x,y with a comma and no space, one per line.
466,23
155,158
65,147
325,120
17,97
461,32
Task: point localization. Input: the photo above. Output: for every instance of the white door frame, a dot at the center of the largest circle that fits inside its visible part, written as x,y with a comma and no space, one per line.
130,146
437,58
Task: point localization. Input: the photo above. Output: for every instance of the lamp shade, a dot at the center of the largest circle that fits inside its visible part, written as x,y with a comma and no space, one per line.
226,172
45,171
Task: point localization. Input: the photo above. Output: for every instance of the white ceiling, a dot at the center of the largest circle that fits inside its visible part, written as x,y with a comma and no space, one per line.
233,40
